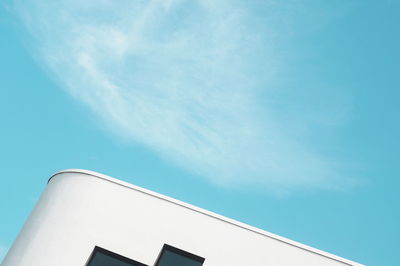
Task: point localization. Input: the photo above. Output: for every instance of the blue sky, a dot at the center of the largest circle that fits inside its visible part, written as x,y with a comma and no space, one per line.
282,115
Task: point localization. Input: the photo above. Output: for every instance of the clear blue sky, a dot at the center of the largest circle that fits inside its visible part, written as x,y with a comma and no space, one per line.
284,116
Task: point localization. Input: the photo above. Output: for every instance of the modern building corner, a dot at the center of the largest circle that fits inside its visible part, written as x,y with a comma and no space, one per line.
84,218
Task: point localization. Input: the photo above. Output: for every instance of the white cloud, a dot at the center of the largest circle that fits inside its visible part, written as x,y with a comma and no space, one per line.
184,78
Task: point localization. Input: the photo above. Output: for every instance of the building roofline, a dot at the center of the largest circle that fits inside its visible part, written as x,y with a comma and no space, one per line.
208,213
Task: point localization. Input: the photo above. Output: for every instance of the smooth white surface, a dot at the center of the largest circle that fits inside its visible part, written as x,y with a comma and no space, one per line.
81,209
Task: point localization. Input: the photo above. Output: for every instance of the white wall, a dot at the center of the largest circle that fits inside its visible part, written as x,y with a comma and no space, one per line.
81,209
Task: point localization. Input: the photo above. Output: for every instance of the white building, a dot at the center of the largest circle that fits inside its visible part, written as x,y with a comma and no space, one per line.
86,218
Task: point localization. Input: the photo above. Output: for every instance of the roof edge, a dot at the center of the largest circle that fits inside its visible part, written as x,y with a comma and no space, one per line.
206,212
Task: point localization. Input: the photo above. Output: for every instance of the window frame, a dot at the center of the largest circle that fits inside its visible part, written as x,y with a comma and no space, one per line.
180,252
114,255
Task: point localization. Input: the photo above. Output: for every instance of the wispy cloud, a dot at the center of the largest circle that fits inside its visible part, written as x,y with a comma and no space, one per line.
184,78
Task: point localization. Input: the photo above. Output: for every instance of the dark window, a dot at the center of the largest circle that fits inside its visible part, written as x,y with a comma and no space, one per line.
103,257
171,256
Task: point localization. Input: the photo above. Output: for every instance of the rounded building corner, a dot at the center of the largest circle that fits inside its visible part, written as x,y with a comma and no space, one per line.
74,171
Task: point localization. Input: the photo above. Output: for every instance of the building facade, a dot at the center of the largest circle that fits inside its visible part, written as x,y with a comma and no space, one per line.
85,218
